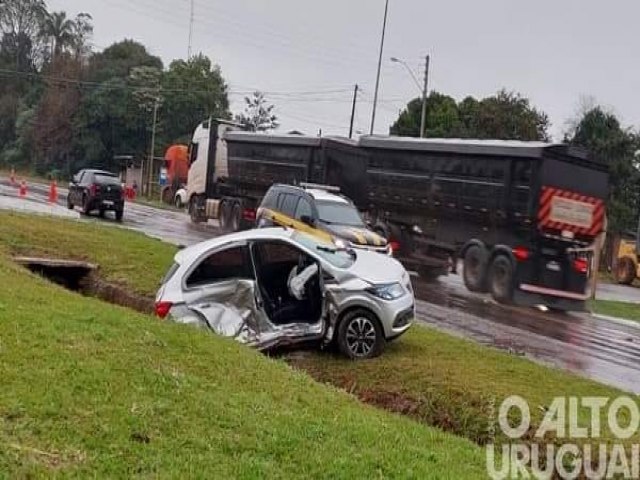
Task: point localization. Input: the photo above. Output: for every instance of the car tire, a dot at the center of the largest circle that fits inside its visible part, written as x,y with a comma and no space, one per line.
500,279
474,271
625,271
69,203
119,215
101,212
360,335
224,215
86,205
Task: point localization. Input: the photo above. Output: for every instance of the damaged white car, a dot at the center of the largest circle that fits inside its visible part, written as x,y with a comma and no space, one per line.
277,286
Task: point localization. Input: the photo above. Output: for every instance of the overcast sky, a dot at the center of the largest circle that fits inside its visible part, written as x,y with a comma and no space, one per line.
554,52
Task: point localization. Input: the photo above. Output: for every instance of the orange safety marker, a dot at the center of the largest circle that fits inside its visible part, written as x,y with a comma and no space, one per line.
53,192
12,178
23,189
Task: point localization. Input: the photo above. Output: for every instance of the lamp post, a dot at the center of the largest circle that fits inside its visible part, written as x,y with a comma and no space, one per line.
423,88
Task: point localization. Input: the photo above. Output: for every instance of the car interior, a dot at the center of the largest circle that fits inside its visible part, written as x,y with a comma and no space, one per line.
274,262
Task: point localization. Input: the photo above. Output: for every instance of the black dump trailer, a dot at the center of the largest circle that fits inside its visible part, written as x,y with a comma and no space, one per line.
521,216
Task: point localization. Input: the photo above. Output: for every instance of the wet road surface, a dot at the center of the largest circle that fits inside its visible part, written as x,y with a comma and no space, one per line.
605,351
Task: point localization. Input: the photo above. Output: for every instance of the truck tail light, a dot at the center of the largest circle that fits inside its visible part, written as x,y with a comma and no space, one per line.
249,214
394,245
163,308
521,254
580,265
93,189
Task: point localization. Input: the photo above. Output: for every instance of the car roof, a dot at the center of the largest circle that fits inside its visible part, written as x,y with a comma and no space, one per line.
316,193
99,172
191,253
319,194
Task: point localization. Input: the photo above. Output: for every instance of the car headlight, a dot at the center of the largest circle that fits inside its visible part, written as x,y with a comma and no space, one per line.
391,291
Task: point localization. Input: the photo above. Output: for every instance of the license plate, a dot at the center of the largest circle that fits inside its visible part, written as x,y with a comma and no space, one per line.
553,266
107,202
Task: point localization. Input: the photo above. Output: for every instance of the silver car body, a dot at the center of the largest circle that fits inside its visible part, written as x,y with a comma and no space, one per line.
233,307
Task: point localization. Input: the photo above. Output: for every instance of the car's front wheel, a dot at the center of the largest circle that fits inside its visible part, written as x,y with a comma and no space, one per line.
360,335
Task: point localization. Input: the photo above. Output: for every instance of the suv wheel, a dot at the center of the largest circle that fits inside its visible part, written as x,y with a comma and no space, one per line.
86,205
69,202
119,214
360,335
236,218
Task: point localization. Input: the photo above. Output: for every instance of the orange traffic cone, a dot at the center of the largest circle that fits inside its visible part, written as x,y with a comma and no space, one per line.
12,178
53,192
23,189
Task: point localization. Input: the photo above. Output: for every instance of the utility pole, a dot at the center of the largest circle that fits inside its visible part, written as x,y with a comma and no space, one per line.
190,31
375,95
353,110
423,120
153,146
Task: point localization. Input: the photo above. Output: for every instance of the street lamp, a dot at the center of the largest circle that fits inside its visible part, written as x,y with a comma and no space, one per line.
423,119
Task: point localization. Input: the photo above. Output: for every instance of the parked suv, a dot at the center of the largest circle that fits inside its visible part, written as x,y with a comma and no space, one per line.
320,211
96,190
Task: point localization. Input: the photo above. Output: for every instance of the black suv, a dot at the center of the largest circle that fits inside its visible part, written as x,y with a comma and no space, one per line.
96,190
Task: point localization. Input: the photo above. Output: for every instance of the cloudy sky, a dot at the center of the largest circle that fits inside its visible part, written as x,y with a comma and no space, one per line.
309,55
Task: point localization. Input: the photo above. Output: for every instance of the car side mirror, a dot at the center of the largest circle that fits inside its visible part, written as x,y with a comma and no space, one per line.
307,220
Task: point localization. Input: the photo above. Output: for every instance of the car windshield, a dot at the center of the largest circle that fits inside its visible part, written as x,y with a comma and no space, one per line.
337,258
339,213
106,179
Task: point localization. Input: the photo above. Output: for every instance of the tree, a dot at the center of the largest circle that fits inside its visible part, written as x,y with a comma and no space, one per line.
505,115
59,31
601,133
258,116
193,90
117,60
21,21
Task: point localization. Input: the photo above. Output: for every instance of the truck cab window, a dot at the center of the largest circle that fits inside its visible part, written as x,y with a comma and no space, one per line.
288,206
193,153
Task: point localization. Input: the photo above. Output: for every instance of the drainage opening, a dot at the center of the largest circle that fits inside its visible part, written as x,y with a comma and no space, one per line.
82,277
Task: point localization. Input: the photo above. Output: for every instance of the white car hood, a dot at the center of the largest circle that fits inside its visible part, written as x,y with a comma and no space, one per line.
377,268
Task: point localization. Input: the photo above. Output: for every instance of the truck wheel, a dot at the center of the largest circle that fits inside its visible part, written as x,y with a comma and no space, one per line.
69,202
475,268
501,279
225,206
235,223
360,335
193,210
178,203
625,271
86,205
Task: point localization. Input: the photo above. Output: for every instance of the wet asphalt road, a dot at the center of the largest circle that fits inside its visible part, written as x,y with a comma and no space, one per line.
600,349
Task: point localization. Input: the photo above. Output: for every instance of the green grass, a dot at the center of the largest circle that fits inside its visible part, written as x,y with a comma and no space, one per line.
87,381
629,311
450,382
89,389
125,258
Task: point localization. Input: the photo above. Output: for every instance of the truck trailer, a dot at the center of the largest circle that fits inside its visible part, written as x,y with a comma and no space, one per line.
521,217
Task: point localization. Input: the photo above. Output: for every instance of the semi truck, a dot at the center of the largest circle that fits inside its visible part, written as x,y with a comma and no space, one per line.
521,217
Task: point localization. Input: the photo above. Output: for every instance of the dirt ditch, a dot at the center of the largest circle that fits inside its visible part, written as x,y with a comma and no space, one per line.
84,278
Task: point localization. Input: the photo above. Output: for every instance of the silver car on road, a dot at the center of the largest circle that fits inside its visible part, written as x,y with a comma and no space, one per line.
239,286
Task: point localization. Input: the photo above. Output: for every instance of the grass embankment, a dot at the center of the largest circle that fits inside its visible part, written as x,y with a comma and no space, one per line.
427,375
90,389
628,311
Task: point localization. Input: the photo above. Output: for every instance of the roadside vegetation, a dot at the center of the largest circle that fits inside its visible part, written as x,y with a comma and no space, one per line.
89,389
628,311
97,389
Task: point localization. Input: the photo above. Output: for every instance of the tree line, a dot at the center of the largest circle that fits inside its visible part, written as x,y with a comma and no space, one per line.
64,106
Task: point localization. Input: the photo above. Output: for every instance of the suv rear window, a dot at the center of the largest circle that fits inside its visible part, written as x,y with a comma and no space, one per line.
103,179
